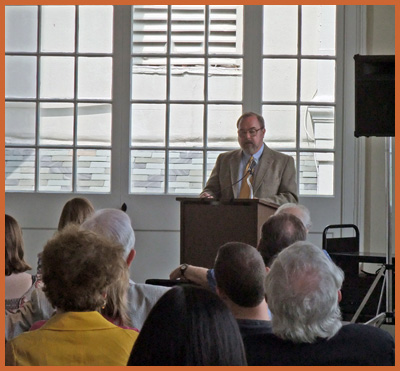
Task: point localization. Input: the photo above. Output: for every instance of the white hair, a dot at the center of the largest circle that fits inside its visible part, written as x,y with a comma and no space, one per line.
297,210
302,293
113,224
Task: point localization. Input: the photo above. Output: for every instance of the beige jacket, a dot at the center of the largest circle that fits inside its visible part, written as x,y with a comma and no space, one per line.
274,178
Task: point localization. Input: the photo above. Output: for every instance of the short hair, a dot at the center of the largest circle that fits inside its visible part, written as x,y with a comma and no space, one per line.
297,210
302,293
113,224
189,326
15,262
250,114
76,211
78,267
278,232
240,273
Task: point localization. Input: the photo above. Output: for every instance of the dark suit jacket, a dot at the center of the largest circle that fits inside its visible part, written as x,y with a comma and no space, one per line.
274,178
353,345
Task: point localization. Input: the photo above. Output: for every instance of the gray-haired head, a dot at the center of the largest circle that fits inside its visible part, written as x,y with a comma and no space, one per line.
302,293
297,210
113,224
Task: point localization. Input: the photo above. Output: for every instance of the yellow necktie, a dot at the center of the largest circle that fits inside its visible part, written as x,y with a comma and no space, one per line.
245,189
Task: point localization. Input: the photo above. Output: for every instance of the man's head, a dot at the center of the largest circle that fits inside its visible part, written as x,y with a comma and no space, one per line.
240,274
297,210
116,226
278,232
251,131
303,294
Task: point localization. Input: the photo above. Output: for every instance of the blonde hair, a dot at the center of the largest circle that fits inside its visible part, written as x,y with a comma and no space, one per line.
76,211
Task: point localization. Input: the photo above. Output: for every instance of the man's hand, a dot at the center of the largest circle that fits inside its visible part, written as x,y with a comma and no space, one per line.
206,195
176,274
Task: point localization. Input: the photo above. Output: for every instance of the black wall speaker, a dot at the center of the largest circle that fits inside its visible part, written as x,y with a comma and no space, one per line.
374,95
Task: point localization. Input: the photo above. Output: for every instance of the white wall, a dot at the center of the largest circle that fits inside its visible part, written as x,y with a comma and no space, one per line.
380,40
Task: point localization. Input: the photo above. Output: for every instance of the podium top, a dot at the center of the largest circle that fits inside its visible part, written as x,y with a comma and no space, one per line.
235,201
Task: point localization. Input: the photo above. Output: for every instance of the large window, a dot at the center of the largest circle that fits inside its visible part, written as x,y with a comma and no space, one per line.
193,71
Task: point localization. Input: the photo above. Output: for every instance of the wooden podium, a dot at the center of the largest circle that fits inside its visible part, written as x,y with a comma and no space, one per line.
206,224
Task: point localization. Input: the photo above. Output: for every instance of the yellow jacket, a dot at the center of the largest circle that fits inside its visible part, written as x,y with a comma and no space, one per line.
72,339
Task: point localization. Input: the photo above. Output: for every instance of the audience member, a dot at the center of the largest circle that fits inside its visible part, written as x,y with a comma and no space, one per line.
116,225
278,232
78,267
240,273
18,283
76,210
297,210
303,293
189,326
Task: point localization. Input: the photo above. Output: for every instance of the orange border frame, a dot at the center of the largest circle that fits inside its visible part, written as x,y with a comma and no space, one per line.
68,2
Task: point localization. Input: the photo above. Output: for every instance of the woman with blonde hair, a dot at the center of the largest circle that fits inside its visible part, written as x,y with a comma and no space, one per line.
18,283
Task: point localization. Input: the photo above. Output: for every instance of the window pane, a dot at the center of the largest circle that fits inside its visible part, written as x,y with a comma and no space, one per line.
318,30
211,160
20,77
186,125
226,29
93,170
58,28
316,173
187,29
55,170
280,29
21,28
187,78
149,78
317,80
94,78
60,69
20,169
185,172
317,129
280,125
95,29
148,125
56,123
94,124
279,79
222,125
225,79
20,123
147,171
149,29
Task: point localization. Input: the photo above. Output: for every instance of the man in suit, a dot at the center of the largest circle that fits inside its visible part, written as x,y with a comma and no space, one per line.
303,294
274,176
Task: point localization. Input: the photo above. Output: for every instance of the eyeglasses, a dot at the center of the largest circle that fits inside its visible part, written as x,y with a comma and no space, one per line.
252,132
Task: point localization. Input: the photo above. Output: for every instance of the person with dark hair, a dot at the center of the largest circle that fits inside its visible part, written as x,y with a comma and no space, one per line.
189,326
278,232
303,293
240,273
78,268
273,174
18,283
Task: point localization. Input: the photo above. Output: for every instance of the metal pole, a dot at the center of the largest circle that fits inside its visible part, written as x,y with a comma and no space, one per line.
389,203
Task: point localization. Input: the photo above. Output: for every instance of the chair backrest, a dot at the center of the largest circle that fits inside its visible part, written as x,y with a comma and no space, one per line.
341,244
